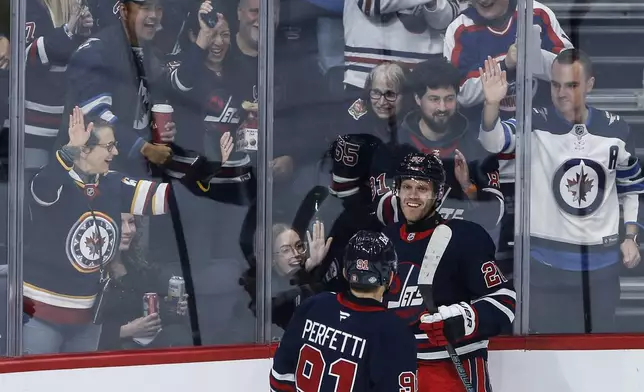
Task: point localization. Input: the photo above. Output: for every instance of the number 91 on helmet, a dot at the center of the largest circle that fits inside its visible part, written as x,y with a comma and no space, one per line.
370,261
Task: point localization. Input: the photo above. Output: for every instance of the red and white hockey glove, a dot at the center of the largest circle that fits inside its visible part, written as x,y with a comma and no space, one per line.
450,324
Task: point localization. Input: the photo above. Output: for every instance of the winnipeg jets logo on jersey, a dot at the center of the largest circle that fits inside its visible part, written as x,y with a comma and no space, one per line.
91,241
404,296
578,186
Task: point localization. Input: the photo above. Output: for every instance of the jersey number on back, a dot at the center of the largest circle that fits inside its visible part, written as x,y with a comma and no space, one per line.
492,274
311,369
378,186
346,152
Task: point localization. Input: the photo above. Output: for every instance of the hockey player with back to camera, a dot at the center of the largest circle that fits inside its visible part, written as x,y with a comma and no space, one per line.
348,341
475,301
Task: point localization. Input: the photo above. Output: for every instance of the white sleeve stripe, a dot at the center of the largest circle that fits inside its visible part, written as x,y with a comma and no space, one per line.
343,194
44,203
510,293
177,82
381,206
493,191
40,42
237,163
140,197
158,200
499,306
283,377
394,205
341,180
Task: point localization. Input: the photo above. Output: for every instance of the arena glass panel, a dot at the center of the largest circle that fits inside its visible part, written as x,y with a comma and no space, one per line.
154,209
345,114
582,172
10,82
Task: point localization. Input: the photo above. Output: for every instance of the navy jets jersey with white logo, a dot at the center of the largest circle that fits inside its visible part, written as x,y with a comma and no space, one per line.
467,272
75,227
580,174
338,342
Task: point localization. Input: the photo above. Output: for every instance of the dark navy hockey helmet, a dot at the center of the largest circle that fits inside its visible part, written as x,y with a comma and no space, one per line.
369,260
426,167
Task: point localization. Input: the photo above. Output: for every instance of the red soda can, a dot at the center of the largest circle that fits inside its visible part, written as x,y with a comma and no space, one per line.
161,115
150,304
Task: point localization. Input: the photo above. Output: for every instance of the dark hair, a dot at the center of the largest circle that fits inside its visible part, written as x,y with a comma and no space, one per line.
98,124
433,74
573,55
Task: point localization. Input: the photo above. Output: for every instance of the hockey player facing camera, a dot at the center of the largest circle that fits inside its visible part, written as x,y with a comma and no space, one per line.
474,299
348,342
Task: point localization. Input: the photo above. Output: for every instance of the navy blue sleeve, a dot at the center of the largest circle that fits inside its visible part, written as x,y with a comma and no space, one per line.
492,296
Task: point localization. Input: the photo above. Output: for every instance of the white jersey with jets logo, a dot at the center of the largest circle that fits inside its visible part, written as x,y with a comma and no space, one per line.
579,175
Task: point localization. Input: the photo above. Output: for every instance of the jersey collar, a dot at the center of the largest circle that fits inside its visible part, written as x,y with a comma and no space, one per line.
360,304
410,232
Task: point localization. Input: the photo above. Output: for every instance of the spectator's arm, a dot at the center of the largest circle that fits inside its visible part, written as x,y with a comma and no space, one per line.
90,83
495,135
377,8
142,197
553,40
488,198
471,92
53,48
441,13
186,75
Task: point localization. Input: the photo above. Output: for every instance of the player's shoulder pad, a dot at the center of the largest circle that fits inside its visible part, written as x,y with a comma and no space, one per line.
357,109
320,298
470,232
392,230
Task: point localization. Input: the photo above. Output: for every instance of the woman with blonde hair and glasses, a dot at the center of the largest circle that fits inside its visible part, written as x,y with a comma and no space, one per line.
294,276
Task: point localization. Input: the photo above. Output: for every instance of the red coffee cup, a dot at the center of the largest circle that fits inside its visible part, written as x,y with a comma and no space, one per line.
161,115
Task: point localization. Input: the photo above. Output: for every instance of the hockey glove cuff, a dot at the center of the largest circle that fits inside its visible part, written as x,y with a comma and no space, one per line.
450,324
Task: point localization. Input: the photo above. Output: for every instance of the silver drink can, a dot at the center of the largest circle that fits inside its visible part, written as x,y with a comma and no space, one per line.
176,288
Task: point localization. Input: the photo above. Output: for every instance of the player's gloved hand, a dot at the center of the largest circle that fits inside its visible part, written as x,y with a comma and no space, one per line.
450,324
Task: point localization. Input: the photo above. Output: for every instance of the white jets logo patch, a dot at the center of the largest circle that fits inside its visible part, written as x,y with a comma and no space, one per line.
90,241
404,296
578,186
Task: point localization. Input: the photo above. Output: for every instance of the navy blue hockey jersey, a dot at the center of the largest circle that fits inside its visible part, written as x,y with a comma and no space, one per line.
75,228
467,272
49,49
341,343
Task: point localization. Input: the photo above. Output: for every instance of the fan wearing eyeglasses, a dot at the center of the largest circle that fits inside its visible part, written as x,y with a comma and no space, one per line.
73,233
